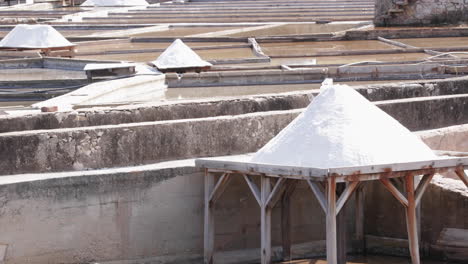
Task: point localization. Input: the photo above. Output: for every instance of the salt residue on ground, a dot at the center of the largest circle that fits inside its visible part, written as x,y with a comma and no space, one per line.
115,3
342,128
34,37
178,55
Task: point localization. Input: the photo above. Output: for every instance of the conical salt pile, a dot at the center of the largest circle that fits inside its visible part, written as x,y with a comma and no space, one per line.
34,37
115,3
341,128
178,55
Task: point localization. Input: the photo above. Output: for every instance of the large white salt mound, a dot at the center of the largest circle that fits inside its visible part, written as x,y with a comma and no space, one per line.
34,37
341,128
115,3
179,55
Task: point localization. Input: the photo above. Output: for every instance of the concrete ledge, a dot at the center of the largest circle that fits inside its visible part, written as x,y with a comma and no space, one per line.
143,143
160,112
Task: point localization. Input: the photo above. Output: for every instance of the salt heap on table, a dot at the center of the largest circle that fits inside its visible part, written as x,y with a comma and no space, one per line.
115,3
34,37
177,56
341,128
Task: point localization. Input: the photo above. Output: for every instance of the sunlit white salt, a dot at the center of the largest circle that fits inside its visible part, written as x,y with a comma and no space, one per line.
342,128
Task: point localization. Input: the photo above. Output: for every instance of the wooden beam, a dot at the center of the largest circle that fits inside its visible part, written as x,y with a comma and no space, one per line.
350,188
331,222
394,191
276,193
265,221
460,171
209,231
220,187
319,194
253,187
422,186
286,219
411,220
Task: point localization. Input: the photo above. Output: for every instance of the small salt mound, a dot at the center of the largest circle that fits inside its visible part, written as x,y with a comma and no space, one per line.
341,128
179,55
34,37
115,3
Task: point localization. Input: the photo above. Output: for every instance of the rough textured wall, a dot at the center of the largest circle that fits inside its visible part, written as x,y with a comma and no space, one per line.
148,212
420,12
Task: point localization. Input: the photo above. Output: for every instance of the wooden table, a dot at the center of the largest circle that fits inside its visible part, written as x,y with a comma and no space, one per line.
323,183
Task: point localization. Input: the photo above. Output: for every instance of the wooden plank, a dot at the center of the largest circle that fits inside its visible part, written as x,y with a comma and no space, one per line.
286,219
253,187
209,226
350,188
270,170
422,186
276,193
354,173
220,187
394,191
319,194
460,171
265,216
331,222
449,162
411,220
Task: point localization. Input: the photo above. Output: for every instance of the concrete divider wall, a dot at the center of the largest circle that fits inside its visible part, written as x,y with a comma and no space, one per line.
155,212
143,143
218,107
168,111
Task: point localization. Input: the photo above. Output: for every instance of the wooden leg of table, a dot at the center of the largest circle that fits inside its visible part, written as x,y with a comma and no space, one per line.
286,220
331,221
411,221
341,229
462,175
265,221
209,219
359,236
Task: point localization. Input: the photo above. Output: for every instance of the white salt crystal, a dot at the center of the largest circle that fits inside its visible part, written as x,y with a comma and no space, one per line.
341,128
115,3
34,37
179,55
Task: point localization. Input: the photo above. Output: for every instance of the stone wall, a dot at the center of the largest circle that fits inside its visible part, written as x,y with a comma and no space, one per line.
420,12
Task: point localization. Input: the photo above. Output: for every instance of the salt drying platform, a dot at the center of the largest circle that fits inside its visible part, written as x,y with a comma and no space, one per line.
233,131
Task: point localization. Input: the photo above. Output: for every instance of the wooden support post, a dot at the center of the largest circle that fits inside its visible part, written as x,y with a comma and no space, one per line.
253,187
319,194
460,171
209,218
265,221
341,229
331,221
359,236
286,219
411,220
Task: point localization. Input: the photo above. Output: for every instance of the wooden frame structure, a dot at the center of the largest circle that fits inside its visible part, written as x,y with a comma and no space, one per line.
323,183
66,51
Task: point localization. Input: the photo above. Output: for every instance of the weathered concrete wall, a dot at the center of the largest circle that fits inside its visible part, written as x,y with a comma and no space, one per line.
420,12
155,212
151,212
219,107
143,143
